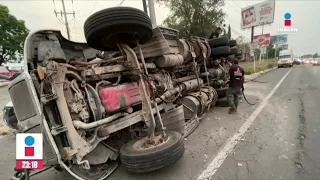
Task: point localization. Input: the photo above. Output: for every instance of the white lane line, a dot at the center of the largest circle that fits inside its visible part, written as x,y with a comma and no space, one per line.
211,169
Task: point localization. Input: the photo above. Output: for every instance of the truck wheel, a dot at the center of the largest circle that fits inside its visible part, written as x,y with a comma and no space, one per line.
105,28
232,43
220,51
233,50
220,41
138,159
222,102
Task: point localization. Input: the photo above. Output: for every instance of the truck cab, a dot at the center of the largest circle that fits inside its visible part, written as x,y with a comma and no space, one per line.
285,59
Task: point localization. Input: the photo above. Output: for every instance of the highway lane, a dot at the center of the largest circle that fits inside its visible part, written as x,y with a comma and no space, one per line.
284,141
201,147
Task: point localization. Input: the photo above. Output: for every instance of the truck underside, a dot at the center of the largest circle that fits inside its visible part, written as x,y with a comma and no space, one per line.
131,94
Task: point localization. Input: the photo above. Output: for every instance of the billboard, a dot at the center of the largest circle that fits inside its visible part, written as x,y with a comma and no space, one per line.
273,39
283,46
258,14
282,39
263,39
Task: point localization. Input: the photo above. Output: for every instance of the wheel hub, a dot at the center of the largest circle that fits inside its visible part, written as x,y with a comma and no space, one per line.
148,143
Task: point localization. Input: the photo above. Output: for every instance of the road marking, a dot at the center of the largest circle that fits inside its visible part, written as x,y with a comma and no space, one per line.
211,169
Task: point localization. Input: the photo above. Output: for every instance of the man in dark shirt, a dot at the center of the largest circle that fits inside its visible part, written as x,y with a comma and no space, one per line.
236,76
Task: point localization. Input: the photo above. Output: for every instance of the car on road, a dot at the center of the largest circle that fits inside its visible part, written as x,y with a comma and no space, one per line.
285,63
297,61
307,59
316,62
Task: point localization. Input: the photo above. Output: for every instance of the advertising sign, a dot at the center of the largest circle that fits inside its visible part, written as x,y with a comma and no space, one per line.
263,39
283,46
258,14
282,39
273,39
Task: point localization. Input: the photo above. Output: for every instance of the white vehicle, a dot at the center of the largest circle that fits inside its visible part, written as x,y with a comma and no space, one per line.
285,59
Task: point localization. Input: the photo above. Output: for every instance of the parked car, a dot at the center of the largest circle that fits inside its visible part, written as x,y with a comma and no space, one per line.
5,71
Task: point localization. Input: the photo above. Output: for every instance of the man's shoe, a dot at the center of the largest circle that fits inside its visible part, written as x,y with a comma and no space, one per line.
232,111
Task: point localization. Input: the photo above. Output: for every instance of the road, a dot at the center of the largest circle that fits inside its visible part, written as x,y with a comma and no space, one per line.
274,139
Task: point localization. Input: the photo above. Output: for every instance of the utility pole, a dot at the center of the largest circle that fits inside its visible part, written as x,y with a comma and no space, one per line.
64,13
145,8
152,13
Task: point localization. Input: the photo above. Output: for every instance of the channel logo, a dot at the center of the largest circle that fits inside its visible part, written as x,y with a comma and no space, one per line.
287,21
29,148
29,151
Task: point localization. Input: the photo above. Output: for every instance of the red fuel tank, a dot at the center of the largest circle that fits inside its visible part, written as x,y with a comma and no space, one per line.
121,96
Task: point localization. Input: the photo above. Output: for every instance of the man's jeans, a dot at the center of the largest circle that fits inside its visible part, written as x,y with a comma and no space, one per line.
233,95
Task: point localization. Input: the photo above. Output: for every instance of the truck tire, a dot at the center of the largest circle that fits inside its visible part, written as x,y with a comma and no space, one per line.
232,43
150,159
105,28
233,50
222,102
220,51
222,92
220,41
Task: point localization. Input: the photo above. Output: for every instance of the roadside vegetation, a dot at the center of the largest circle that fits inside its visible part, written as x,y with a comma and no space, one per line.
266,64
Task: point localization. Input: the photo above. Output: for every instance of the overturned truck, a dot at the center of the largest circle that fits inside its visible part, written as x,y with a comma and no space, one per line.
131,93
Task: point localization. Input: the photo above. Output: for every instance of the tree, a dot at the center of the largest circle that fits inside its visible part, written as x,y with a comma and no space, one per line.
194,17
244,46
315,55
12,35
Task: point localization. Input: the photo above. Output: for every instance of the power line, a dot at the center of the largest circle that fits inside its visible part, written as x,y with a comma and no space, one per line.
87,13
121,2
233,7
245,2
236,4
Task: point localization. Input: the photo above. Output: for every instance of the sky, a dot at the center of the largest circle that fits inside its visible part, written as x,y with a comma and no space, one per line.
39,14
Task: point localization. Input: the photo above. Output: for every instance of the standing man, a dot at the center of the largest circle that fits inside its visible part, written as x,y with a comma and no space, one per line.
236,76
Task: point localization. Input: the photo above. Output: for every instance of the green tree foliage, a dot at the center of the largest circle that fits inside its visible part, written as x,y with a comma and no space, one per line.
244,46
315,55
194,17
12,35
271,51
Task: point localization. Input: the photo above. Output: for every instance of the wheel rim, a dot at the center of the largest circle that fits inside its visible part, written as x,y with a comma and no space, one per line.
142,144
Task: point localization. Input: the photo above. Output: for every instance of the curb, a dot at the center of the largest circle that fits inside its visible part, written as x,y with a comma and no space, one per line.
258,74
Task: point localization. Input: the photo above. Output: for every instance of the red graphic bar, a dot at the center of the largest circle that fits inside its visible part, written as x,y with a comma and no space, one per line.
29,164
287,22
29,151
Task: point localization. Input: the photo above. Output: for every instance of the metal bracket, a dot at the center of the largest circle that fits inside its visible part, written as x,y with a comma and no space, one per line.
48,98
204,61
146,102
195,65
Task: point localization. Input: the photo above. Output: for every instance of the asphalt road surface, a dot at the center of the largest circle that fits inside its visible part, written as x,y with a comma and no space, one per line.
278,138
